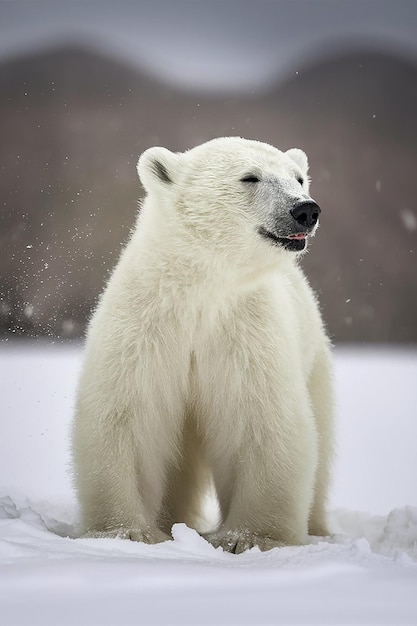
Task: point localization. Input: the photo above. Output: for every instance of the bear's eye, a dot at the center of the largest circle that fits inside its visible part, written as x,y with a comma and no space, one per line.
250,178
300,180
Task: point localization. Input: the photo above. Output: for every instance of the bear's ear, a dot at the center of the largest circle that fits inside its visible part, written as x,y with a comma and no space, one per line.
299,157
157,165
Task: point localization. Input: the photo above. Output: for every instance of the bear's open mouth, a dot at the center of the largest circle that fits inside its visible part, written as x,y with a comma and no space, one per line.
295,242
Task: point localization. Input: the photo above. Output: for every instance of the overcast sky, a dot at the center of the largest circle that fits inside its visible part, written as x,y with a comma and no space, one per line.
238,44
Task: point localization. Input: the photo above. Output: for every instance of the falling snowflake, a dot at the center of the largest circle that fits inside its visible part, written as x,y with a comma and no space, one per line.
409,219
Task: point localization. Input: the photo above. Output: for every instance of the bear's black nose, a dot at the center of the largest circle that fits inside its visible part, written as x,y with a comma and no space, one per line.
306,213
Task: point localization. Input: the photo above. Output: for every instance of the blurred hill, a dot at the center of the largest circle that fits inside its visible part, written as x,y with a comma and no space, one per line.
73,123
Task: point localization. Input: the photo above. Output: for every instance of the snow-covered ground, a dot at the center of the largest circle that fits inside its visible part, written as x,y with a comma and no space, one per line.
366,573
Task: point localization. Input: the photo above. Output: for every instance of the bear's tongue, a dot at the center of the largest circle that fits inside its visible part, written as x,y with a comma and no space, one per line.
299,236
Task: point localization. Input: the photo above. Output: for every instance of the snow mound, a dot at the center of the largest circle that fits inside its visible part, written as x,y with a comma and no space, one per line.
59,519
394,535
400,532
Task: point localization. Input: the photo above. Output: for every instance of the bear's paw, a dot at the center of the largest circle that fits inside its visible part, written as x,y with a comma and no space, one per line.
148,535
238,541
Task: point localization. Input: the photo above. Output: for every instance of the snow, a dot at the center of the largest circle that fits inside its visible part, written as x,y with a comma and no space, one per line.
409,219
366,573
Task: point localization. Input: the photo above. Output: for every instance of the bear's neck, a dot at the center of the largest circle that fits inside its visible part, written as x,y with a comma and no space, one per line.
186,265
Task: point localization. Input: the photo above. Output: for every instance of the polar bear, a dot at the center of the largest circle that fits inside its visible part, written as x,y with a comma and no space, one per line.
207,359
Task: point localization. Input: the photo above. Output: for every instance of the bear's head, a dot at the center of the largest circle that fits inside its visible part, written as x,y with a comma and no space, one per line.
239,197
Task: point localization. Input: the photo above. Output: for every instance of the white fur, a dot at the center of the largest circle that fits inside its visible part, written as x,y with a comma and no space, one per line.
206,359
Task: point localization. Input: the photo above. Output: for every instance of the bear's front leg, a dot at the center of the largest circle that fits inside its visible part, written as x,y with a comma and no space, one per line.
127,428
266,486
321,396
118,495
